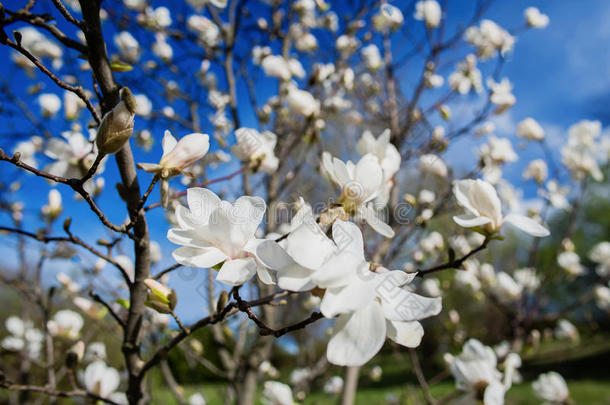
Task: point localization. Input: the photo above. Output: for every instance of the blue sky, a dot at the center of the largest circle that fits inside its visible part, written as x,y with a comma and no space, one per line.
559,75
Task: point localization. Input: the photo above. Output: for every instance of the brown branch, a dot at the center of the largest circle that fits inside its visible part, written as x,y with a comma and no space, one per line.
167,270
64,12
98,298
453,263
53,393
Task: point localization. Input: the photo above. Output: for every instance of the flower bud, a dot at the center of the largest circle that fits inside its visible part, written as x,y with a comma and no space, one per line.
75,354
160,298
117,125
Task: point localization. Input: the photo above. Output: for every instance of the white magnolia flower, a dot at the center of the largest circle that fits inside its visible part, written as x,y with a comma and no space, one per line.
178,155
372,57
197,399
433,164
302,102
333,386
602,296
276,66
135,4
74,156
22,336
205,28
300,254
535,18
129,47
433,80
579,155
306,42
386,154
73,105
276,393
431,287
537,170
428,11
551,387
296,69
100,379
159,17
475,372
489,39
54,207
143,105
161,48
467,77
484,209
530,129
527,279
299,375
570,262
371,305
50,103
497,151
267,368
96,351
506,288
566,330
556,194
27,150
388,17
214,232
600,254
66,323
501,94
347,44
360,183
256,148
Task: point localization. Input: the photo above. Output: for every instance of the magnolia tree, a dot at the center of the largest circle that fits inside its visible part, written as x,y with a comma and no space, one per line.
258,107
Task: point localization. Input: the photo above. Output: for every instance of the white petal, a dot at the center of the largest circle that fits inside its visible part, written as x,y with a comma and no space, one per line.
527,225
461,190
408,334
399,304
201,202
469,221
237,271
369,175
370,216
357,294
309,246
168,143
340,171
196,257
357,337
338,271
348,238
494,394
264,275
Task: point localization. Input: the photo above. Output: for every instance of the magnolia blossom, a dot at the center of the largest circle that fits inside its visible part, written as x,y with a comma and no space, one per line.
537,170
501,94
178,155
300,254
506,288
276,393
129,47
27,150
143,105
53,208
566,330
360,183
197,399
214,232
484,209
551,387
475,372
535,18
579,153
256,148
66,323
100,379
433,164
388,17
371,305
570,262
386,154
206,29
530,129
489,38
161,48
73,156
527,279
497,151
96,351
556,194
602,296
50,103
302,102
117,125
333,386
371,57
600,254
276,66
73,104
467,77
428,11
22,336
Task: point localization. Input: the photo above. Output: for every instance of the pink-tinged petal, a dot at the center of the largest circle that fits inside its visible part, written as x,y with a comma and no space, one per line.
370,216
468,221
527,225
408,334
357,337
198,257
237,271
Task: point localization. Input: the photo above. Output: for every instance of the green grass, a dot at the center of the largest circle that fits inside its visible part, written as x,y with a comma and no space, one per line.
583,392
